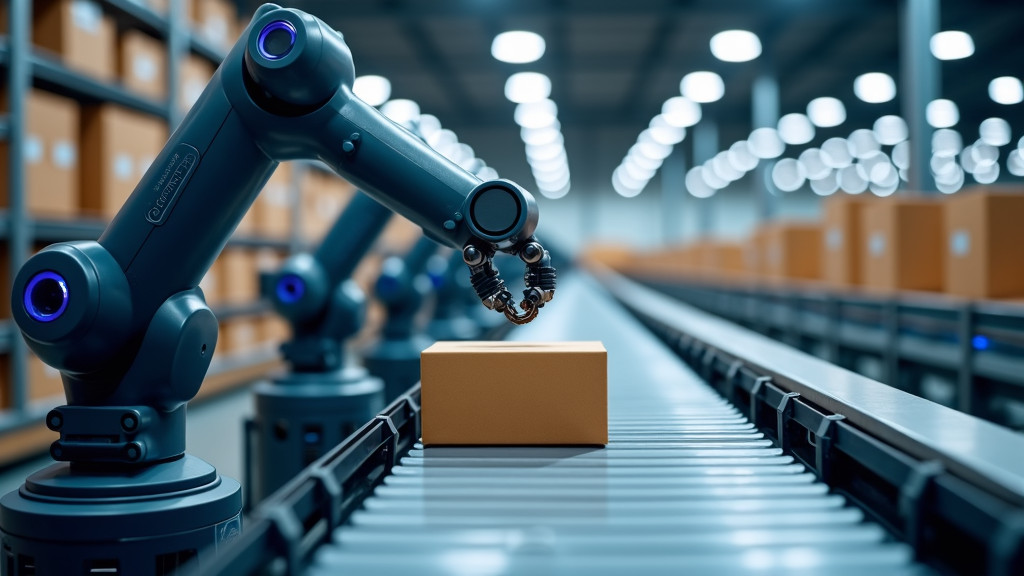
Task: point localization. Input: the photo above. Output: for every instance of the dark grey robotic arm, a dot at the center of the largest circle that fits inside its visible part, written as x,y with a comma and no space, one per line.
123,319
315,293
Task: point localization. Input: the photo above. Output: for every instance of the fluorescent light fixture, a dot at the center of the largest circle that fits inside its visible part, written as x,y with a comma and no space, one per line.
374,90
527,87
541,136
681,111
487,173
788,175
995,132
741,158
702,86
625,185
536,114
517,47
545,151
696,185
653,150
636,156
1006,90
826,112
942,113
952,45
874,87
765,143
862,143
401,111
735,46
427,125
796,129
442,139
890,130
663,132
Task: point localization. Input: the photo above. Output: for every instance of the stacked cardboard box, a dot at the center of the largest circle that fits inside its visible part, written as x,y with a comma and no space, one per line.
984,243
844,247
238,276
215,21
196,73
75,31
274,205
903,244
238,335
51,153
791,251
118,146
142,64
324,196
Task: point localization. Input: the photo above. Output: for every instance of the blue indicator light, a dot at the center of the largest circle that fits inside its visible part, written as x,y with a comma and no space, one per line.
311,438
290,289
980,342
46,296
276,40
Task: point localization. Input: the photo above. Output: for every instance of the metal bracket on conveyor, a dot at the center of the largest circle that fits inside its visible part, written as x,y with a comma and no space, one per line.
821,439
915,493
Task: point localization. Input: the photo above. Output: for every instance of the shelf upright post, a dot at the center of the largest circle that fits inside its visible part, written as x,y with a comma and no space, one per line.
177,52
765,113
705,146
920,84
19,78
295,200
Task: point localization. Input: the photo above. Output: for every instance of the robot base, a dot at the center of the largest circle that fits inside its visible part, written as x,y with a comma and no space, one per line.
397,362
74,519
299,417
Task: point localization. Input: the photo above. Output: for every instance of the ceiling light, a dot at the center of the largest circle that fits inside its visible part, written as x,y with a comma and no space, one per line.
788,175
539,136
862,143
995,132
487,173
636,156
765,143
735,46
814,165
890,130
795,129
952,45
874,87
1006,90
665,133
442,139
625,185
826,112
741,158
942,113
702,86
517,47
681,111
653,150
401,111
374,90
527,87
427,125
696,185
536,114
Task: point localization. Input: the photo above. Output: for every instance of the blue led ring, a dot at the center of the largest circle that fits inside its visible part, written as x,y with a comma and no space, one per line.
276,26
41,294
290,289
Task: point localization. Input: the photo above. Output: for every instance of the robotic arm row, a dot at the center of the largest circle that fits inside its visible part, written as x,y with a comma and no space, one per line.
122,317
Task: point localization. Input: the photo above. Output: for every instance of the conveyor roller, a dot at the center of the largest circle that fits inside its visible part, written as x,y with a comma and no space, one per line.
686,485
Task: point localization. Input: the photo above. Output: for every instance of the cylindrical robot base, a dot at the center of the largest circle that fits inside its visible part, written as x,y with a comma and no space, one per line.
300,416
72,519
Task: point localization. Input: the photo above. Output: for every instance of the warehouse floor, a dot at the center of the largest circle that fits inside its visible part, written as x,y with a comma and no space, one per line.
214,434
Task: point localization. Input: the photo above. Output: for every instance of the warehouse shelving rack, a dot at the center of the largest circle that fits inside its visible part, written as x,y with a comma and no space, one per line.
24,66
966,354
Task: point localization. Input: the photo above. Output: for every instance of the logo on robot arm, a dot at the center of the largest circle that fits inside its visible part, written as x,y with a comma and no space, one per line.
177,171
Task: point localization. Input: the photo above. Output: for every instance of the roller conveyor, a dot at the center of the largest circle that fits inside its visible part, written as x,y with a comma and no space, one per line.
686,485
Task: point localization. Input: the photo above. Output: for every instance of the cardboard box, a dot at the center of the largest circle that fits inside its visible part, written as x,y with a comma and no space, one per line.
239,276
215,22
724,260
323,197
515,393
118,146
274,215
273,330
238,335
984,243
44,381
51,153
755,254
792,251
196,73
841,257
904,246
142,64
77,31
212,284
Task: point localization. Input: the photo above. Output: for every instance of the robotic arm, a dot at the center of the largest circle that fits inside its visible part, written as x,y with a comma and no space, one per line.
123,319
314,291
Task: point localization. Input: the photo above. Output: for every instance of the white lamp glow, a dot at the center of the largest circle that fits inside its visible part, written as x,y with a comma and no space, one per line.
736,46
374,90
527,87
702,86
1006,90
826,112
952,45
874,87
517,47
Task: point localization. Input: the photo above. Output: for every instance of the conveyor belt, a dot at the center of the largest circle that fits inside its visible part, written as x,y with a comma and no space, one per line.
686,486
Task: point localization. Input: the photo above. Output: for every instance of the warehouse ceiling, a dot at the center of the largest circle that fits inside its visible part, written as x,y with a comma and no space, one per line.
613,63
